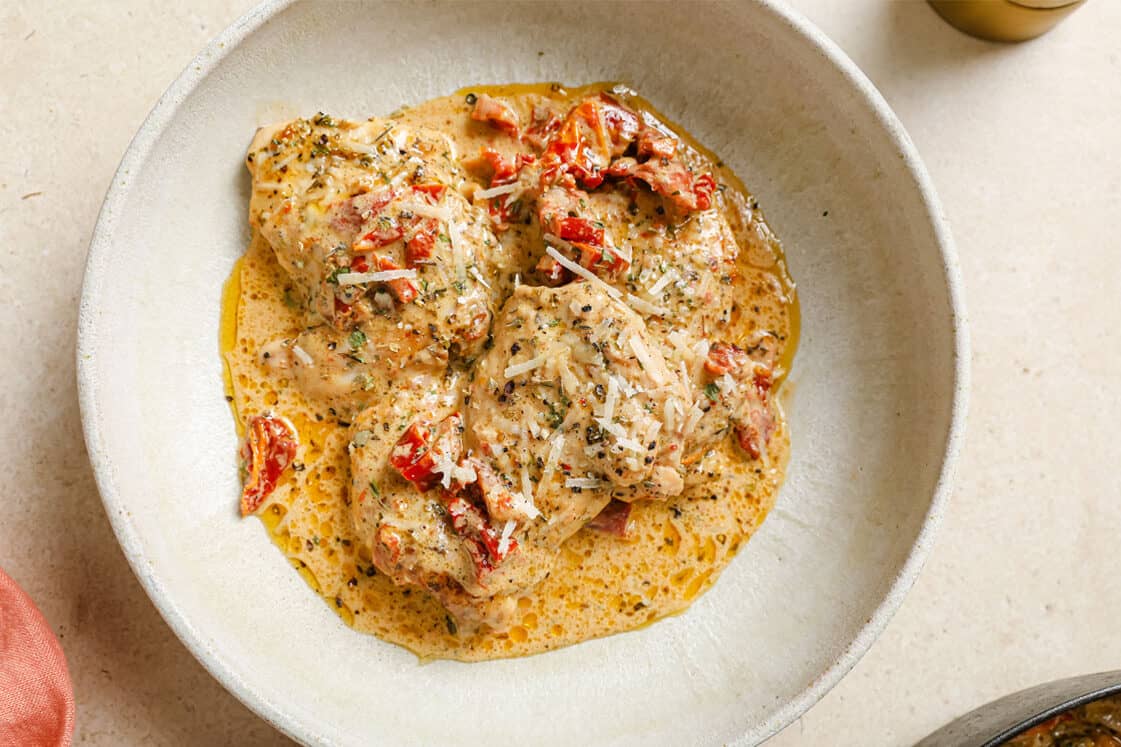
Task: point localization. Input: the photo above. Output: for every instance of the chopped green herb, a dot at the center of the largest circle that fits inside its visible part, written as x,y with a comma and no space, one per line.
374,489
357,339
555,416
333,278
712,391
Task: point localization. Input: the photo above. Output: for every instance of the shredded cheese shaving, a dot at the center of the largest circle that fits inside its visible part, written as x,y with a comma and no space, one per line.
356,147
576,269
520,368
382,276
584,483
443,464
646,359
569,382
464,474
501,189
663,281
695,414
504,540
610,400
302,356
557,241
457,250
424,210
641,304
620,435
557,444
479,276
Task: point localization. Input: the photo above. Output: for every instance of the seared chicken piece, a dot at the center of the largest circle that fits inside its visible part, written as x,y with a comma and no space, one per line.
418,531
573,376
395,270
569,402
738,394
662,237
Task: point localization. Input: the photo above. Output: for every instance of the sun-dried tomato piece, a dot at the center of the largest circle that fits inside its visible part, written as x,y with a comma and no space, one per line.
724,357
581,229
422,448
614,519
403,288
421,242
270,446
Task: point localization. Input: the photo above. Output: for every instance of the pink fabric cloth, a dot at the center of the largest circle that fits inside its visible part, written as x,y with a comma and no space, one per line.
36,698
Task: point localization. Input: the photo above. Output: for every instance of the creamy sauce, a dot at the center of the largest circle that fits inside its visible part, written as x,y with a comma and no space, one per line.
598,584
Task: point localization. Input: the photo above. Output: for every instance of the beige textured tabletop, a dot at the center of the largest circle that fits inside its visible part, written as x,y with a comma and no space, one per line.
1024,145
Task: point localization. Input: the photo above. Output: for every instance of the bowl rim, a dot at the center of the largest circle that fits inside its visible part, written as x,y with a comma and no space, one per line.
91,408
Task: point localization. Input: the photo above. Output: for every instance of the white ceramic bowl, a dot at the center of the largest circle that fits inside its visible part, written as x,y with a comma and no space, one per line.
876,407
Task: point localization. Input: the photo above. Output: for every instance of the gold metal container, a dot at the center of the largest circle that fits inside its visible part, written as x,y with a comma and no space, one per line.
1005,20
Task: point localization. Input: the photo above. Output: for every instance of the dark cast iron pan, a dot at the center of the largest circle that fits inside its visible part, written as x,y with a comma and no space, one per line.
995,723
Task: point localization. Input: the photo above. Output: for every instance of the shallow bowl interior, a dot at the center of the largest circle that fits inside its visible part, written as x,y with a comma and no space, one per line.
875,399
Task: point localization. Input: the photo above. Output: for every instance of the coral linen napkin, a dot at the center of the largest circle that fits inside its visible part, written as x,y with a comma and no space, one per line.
36,698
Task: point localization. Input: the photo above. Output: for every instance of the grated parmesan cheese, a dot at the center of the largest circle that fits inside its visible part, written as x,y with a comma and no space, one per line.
611,399
356,147
501,189
700,353
569,382
556,445
424,210
626,387
695,414
648,364
277,165
302,356
520,368
620,435
584,483
479,276
443,464
641,304
382,276
464,475
663,281
457,250
556,241
576,269
504,540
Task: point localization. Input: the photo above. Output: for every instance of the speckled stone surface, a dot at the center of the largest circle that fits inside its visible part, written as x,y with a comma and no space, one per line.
1024,145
